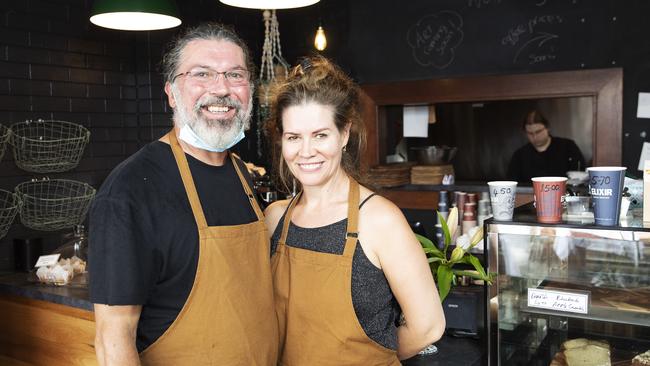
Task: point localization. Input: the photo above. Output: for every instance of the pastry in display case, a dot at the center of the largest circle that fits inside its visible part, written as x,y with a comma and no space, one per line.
569,294
71,266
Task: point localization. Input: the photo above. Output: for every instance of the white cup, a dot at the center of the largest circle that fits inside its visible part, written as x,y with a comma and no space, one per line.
502,197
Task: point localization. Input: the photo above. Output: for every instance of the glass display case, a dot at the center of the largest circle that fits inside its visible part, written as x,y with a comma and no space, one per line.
568,293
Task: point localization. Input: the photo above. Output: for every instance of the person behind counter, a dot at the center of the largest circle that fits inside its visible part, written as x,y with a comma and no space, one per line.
180,264
345,259
543,155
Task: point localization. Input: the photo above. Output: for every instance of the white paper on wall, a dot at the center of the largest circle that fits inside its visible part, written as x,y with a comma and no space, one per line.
416,121
643,107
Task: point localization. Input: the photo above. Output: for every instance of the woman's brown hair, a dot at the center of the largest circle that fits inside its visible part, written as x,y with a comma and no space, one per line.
318,80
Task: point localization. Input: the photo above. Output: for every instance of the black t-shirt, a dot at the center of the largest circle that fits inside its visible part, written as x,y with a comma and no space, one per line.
143,236
561,156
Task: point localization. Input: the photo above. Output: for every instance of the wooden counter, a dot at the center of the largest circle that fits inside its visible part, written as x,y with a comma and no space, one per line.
44,325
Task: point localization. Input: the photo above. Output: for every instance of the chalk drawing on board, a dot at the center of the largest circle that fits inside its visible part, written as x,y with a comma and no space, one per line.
537,42
435,37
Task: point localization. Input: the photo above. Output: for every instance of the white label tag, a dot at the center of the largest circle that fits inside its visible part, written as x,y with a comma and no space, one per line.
558,300
47,260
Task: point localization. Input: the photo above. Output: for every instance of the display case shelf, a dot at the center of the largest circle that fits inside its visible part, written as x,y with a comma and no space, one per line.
567,281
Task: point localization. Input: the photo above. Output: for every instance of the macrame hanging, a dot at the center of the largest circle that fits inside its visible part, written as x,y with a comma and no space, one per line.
273,65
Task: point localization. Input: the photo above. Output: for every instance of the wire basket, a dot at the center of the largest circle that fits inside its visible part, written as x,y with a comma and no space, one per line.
47,146
9,205
55,204
4,137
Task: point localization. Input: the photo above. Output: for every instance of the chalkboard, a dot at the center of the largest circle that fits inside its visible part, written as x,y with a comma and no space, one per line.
427,39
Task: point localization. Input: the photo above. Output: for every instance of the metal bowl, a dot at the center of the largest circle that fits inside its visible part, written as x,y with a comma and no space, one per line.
434,155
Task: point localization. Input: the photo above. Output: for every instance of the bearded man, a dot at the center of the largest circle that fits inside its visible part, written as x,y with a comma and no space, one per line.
179,255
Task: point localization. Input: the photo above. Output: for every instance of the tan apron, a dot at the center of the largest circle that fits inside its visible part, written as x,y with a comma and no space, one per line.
313,299
228,318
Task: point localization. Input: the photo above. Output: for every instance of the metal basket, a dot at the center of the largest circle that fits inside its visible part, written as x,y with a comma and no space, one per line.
46,146
9,205
4,137
54,204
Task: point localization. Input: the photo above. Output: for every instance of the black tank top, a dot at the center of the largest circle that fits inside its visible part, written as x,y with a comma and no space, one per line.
373,301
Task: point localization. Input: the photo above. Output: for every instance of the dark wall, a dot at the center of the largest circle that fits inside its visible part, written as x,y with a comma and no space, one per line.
54,64
454,38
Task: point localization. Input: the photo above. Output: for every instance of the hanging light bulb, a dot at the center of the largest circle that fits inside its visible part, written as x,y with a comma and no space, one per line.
320,42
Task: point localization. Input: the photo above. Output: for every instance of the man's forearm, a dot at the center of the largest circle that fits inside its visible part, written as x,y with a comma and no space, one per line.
116,351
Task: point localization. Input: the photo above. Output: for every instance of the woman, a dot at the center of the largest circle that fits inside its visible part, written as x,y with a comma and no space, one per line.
345,259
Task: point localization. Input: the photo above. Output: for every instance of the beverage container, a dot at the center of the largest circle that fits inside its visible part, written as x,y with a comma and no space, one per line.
606,187
549,198
443,207
502,197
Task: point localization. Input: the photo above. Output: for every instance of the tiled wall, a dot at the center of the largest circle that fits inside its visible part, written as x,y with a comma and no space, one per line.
54,64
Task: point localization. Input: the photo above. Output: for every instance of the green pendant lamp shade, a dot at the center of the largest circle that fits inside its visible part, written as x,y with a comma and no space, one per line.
136,15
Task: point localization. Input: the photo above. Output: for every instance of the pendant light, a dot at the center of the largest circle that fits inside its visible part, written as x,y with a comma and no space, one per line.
269,4
320,41
135,15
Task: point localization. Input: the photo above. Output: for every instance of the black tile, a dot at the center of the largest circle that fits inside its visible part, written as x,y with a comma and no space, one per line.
48,9
127,92
99,163
100,149
67,59
104,91
120,106
130,120
14,36
103,63
88,105
87,76
15,103
30,87
13,70
49,41
85,46
61,89
27,55
78,118
4,86
27,21
51,104
113,120
119,78
41,72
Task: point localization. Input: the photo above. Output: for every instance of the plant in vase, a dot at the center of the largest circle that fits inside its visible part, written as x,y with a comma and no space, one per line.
442,262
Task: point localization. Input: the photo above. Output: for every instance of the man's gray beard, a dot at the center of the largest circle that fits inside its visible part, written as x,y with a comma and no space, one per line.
216,133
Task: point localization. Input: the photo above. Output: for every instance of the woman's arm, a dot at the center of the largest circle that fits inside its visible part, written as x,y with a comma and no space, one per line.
273,213
389,242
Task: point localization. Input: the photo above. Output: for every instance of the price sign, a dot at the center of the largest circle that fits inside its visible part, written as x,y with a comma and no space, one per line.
558,300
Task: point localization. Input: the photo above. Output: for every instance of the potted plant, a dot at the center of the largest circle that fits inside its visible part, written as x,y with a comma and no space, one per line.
442,262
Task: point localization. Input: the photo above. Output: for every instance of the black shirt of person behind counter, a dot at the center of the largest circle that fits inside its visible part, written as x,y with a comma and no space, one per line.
561,156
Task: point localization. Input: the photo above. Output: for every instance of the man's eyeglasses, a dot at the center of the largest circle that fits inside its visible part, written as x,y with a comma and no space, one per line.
237,77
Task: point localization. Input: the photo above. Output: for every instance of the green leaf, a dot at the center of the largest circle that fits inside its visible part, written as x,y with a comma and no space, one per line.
477,265
428,246
434,259
444,277
445,231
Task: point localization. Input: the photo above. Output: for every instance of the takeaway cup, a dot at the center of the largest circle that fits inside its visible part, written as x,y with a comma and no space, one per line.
549,192
605,187
502,198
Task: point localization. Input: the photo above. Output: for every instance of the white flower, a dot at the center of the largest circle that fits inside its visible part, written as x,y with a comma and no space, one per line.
463,242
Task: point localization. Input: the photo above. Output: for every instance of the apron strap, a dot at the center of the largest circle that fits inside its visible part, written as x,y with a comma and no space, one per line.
287,218
352,230
188,181
247,188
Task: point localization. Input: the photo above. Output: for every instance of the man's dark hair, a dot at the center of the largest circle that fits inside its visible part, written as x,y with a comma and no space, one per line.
534,117
204,31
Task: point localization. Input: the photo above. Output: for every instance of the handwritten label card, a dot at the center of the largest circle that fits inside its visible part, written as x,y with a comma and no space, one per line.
47,260
558,300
